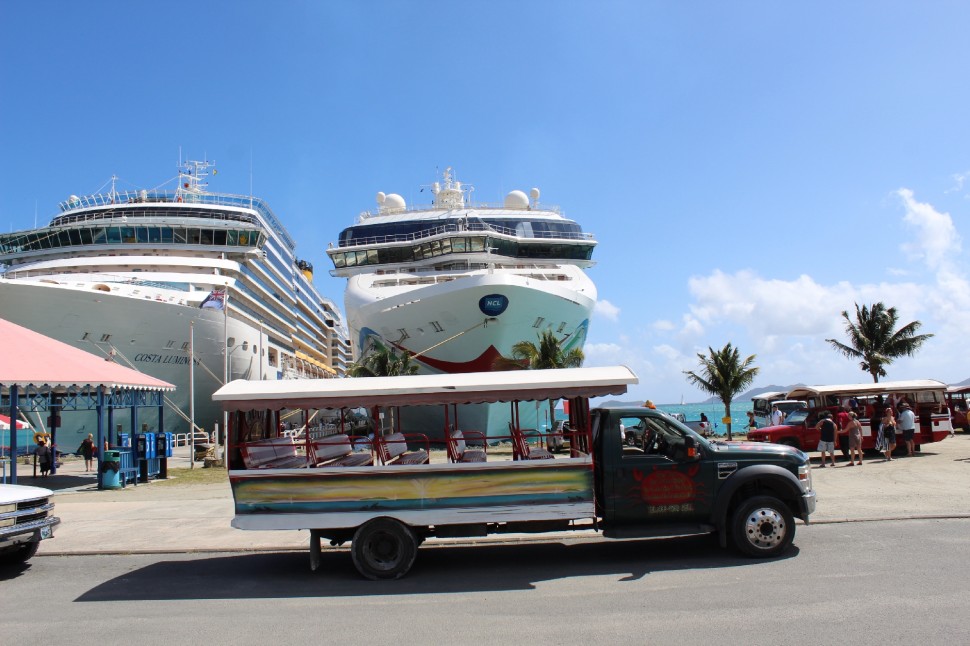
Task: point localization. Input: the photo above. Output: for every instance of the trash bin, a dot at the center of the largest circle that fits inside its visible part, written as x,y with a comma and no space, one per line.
111,470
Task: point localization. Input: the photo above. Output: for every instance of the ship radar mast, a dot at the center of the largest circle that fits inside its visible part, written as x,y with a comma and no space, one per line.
451,193
192,176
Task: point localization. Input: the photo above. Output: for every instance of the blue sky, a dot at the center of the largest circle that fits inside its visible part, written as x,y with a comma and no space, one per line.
750,169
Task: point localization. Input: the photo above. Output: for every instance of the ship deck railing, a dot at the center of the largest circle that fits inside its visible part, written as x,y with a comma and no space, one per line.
100,200
473,227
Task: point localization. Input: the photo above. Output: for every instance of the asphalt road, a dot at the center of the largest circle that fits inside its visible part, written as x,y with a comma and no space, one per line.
901,581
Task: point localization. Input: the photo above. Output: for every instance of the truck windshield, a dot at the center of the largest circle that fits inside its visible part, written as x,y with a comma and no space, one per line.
796,416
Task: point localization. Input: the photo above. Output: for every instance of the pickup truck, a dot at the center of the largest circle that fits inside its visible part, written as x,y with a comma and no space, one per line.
25,520
669,482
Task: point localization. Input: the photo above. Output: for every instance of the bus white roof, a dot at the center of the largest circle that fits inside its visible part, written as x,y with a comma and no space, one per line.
463,388
881,388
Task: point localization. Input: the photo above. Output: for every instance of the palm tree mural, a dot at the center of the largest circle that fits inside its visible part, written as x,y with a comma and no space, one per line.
549,353
874,339
724,374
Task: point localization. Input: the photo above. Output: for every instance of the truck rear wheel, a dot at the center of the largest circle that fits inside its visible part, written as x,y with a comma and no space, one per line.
384,548
762,527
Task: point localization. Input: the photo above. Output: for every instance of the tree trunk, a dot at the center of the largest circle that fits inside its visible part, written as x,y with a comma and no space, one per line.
727,413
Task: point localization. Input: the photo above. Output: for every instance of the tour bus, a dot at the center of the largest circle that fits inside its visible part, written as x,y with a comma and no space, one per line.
957,398
388,491
764,403
927,397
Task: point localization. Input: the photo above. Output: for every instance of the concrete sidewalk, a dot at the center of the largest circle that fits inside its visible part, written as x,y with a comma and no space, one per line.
169,517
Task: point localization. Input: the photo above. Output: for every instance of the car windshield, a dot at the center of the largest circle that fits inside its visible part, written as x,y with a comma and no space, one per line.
796,416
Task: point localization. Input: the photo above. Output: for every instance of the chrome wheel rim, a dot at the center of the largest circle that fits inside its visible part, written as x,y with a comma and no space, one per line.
765,528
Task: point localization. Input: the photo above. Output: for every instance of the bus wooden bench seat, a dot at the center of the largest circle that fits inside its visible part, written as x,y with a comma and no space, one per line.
274,453
459,451
337,451
393,449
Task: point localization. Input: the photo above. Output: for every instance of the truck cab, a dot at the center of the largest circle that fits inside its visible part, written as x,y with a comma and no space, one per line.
675,482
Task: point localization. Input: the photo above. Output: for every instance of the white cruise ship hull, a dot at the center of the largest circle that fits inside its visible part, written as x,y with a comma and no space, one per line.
147,335
444,327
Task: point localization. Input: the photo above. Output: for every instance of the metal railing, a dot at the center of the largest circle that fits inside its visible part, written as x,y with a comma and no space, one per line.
474,227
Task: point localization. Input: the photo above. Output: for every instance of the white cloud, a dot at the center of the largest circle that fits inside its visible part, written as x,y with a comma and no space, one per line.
959,179
935,240
664,325
603,354
607,310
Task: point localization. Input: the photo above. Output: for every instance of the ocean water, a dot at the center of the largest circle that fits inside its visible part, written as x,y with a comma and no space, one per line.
714,412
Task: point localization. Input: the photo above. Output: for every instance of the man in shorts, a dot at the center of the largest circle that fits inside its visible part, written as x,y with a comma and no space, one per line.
827,430
907,424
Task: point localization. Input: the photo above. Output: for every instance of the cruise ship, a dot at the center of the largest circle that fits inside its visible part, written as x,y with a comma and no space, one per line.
149,278
456,284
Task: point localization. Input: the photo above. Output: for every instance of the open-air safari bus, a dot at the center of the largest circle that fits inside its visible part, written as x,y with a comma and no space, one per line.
389,490
958,398
927,398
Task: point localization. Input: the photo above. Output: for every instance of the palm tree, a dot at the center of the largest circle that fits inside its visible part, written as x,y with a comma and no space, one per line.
874,339
381,361
723,374
549,353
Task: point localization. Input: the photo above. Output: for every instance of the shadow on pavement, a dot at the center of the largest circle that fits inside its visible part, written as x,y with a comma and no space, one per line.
437,570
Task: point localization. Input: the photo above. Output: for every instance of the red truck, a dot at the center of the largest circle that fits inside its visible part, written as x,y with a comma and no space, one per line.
926,396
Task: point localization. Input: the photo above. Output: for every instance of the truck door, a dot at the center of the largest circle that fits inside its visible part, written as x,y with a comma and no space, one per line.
657,480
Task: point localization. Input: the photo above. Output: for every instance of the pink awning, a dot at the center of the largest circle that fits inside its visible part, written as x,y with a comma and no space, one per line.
31,359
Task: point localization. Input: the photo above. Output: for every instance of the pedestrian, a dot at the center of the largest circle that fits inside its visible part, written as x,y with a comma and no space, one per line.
889,431
43,454
827,430
87,450
854,431
907,424
705,426
752,425
777,417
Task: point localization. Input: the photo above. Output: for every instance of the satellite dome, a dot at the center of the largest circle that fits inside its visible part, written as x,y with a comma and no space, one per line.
380,197
516,200
393,203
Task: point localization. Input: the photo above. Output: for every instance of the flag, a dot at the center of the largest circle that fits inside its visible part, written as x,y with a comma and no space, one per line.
215,300
565,406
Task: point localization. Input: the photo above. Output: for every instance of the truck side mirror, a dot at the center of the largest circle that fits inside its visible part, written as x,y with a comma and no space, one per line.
690,447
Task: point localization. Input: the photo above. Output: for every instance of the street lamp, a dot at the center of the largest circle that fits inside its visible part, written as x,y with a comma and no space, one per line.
244,346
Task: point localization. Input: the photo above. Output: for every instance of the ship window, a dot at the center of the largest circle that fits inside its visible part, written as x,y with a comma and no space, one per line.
437,326
404,335
562,326
100,235
154,234
476,244
351,259
64,239
141,234
185,346
193,236
219,237
85,235
169,345
372,257
178,235
458,244
85,337
538,322
105,338
166,233
205,236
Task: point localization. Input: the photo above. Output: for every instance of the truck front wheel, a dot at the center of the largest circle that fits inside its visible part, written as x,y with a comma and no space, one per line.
762,527
18,554
384,548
